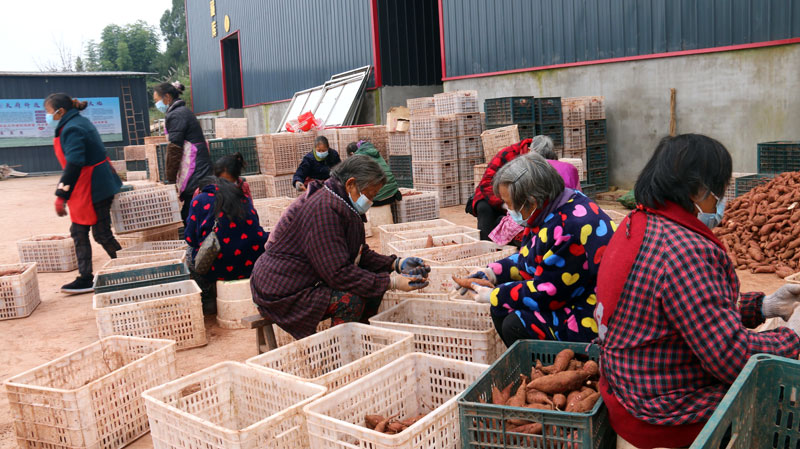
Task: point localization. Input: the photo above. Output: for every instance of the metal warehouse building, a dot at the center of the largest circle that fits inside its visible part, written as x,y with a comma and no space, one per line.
118,106
734,64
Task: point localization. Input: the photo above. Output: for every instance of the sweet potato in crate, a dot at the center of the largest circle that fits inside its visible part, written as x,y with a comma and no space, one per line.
434,150
416,206
90,398
19,290
456,102
145,248
449,194
433,127
51,252
386,232
408,248
462,332
230,405
413,385
144,209
337,356
496,139
479,253
425,233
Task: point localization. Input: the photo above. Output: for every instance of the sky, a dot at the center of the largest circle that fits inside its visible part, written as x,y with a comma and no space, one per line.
34,27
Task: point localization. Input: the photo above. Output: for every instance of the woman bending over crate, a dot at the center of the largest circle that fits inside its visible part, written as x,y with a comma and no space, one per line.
187,161
547,290
223,208
87,186
317,264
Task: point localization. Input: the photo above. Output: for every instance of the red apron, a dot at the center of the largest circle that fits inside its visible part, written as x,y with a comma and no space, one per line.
81,208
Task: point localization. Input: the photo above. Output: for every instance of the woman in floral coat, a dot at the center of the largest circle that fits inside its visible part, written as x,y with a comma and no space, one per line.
547,290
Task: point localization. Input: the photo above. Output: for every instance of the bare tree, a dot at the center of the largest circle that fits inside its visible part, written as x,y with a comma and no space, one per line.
63,62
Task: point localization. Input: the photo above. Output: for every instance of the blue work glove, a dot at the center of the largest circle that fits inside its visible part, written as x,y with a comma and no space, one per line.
484,273
413,266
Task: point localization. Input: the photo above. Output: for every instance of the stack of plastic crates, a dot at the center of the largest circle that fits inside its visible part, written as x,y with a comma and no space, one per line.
547,115
778,157
470,151
246,146
434,153
277,153
416,206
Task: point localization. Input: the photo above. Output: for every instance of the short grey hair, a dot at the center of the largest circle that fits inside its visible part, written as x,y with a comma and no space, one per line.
529,178
543,145
366,171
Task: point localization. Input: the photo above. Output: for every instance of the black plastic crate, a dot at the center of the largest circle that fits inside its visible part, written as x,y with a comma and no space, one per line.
526,131
136,166
553,130
596,156
508,110
245,145
161,158
401,167
598,177
141,277
746,183
116,153
778,157
407,183
596,132
547,109
589,190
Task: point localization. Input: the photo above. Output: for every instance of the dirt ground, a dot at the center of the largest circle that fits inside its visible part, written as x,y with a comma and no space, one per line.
62,324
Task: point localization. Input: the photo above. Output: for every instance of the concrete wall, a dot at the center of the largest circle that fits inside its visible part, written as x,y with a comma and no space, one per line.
738,97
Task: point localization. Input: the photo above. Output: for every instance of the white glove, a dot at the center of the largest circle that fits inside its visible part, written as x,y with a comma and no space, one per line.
781,303
481,294
793,322
299,186
483,273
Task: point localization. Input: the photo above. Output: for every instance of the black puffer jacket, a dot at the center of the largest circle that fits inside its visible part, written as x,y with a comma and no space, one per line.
182,126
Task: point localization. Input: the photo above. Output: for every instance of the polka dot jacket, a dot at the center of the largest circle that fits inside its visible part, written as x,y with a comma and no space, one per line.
550,284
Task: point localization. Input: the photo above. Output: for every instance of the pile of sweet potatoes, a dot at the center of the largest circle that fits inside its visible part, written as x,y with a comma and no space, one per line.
761,228
567,385
389,425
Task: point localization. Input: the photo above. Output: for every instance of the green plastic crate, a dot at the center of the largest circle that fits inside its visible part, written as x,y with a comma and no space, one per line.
561,429
778,157
760,410
508,110
244,145
142,277
745,184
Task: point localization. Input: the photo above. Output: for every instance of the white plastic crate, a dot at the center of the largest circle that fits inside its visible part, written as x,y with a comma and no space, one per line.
145,248
469,124
393,298
466,189
409,248
161,233
234,302
277,153
479,253
496,139
19,293
456,102
263,205
134,153
278,186
230,128
230,405
434,150
258,186
416,206
336,357
440,278
387,232
412,385
283,338
577,163
478,171
449,194
470,147
423,103
136,176
399,143
346,137
466,169
435,172
90,398
575,138
171,311
433,127
573,112
457,330
51,252
144,209
119,167
130,261
424,233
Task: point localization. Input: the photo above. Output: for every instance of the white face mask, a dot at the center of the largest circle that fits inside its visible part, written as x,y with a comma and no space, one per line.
517,215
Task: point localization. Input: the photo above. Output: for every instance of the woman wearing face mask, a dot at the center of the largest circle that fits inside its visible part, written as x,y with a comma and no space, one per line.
546,291
673,324
316,164
188,160
390,191
87,186
317,264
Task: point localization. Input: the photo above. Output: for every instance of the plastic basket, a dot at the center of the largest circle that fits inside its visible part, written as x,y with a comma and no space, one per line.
469,124
485,424
596,132
435,172
555,131
574,138
19,293
378,136
391,299
283,338
51,252
412,385
449,194
387,232
460,101
145,209
470,147
416,206
230,405
399,143
141,277
258,186
408,248
744,184
90,398
347,136
778,157
336,357
573,113
432,127
527,131
264,210
129,261
730,191
577,163
134,153
277,153
161,233
465,191
598,177
466,170
246,146
595,108
424,233
478,172
170,311
230,128
457,254
596,156
434,150
496,139
508,110
278,186
462,332
423,103
145,248
119,167
547,109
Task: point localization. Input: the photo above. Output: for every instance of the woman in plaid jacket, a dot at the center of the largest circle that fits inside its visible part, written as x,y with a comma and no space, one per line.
673,325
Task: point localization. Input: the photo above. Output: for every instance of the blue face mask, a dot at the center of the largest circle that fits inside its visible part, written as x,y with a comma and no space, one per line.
362,204
51,122
517,216
321,155
709,219
161,106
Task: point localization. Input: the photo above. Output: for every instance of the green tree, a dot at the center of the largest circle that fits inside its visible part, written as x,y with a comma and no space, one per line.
92,62
131,47
124,61
173,29
79,65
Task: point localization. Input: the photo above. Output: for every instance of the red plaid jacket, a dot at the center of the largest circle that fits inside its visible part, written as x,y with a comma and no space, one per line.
484,190
679,336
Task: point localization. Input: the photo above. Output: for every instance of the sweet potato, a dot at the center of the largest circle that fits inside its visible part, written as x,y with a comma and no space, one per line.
783,272
518,400
467,282
498,397
575,364
408,422
561,362
764,269
531,428
591,368
373,420
429,242
559,401
536,397
396,427
539,406
560,382
381,427
586,404
535,373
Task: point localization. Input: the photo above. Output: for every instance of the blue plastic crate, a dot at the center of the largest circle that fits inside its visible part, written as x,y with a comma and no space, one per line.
778,157
553,130
596,132
508,110
547,110
244,145
596,156
141,277
745,184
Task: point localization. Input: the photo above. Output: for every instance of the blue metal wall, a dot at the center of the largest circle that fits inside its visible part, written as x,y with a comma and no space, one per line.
286,46
483,36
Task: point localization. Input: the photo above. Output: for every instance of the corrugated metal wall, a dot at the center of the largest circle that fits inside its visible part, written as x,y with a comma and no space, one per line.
491,36
409,42
42,159
286,46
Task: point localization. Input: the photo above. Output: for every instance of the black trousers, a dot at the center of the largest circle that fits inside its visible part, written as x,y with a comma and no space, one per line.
510,329
488,218
101,231
187,203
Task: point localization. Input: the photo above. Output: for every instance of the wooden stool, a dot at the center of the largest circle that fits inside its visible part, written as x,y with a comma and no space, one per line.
265,336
